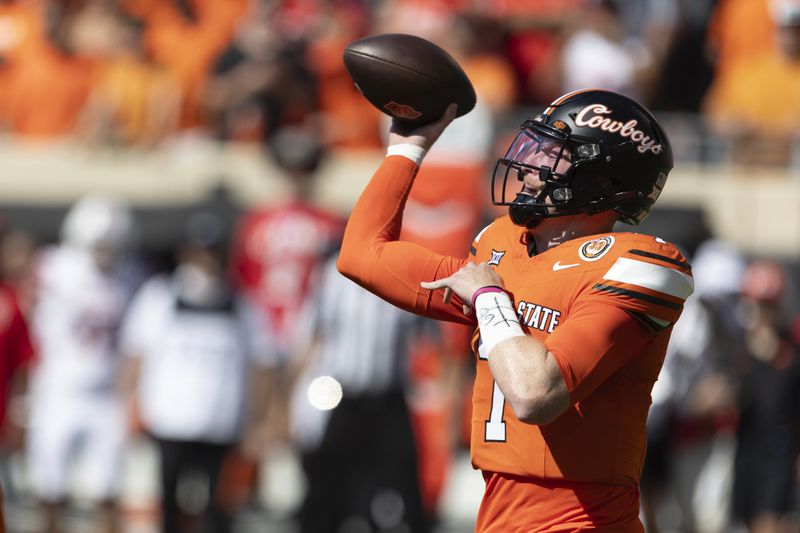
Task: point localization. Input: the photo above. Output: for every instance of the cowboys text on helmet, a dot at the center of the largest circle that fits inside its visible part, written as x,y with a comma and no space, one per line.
591,116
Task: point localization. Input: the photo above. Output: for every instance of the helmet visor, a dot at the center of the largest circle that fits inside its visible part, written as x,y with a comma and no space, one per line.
534,150
544,157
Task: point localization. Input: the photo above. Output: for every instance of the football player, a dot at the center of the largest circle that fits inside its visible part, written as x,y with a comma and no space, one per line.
572,319
83,285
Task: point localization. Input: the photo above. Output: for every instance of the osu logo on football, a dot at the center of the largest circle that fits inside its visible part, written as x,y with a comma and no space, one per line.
402,110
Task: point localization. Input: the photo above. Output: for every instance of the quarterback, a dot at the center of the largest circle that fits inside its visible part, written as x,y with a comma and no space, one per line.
572,320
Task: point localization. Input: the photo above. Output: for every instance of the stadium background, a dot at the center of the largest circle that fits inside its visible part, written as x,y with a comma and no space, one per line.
736,177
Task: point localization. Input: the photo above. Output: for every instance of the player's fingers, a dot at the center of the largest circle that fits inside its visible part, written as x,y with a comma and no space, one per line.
467,310
433,285
448,293
447,117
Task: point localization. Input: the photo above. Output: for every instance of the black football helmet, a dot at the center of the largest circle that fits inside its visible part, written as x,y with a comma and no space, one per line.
618,155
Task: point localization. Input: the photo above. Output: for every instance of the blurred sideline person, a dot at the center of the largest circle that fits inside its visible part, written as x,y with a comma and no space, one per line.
277,247
350,417
571,362
691,421
765,482
16,357
18,250
198,363
83,288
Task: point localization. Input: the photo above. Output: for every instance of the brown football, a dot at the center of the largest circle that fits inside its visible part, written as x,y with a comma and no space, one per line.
407,77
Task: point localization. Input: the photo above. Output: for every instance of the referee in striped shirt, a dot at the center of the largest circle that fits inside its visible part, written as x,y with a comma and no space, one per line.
349,412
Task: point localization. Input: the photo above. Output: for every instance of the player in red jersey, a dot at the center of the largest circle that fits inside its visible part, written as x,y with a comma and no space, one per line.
275,250
277,247
572,319
16,353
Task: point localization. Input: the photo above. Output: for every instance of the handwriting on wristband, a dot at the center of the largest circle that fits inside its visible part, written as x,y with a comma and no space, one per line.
497,315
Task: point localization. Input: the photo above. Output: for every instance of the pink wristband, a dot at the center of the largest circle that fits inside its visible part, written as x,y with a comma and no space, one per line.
488,288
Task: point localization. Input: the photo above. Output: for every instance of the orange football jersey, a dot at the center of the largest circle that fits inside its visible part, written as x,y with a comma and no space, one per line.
603,305
577,298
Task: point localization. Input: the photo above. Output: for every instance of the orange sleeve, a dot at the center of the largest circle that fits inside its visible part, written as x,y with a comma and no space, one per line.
596,341
372,256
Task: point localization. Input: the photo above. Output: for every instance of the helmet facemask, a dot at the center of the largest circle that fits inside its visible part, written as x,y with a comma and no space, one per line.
579,176
557,158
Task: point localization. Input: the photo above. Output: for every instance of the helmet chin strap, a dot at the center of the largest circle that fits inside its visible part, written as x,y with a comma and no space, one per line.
524,211
523,216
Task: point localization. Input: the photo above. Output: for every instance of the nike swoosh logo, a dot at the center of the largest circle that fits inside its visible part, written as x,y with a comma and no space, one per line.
558,266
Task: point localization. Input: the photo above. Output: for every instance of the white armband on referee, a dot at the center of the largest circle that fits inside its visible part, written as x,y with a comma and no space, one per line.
497,319
409,151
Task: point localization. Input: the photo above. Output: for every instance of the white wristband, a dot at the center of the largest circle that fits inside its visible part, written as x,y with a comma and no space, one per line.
410,151
497,319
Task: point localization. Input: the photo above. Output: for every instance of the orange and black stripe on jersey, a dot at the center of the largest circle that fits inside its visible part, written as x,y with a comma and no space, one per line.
473,249
652,286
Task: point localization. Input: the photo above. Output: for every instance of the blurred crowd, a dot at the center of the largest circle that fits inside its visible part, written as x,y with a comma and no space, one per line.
244,338
141,72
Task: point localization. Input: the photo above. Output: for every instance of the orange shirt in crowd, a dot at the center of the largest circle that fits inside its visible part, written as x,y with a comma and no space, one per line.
741,31
761,96
46,92
21,29
350,121
141,99
188,48
494,80
22,36
576,298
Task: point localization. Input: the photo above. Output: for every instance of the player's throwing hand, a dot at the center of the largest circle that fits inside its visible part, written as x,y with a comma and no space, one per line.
465,282
422,136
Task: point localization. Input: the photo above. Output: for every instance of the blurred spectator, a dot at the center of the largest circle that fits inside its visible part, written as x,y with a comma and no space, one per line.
17,253
186,37
201,360
133,101
349,413
676,34
36,107
425,18
476,39
741,32
83,286
478,43
691,419
534,44
348,120
756,102
769,394
276,247
261,81
597,52
22,26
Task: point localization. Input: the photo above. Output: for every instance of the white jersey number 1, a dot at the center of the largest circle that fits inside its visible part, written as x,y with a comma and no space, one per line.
495,427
